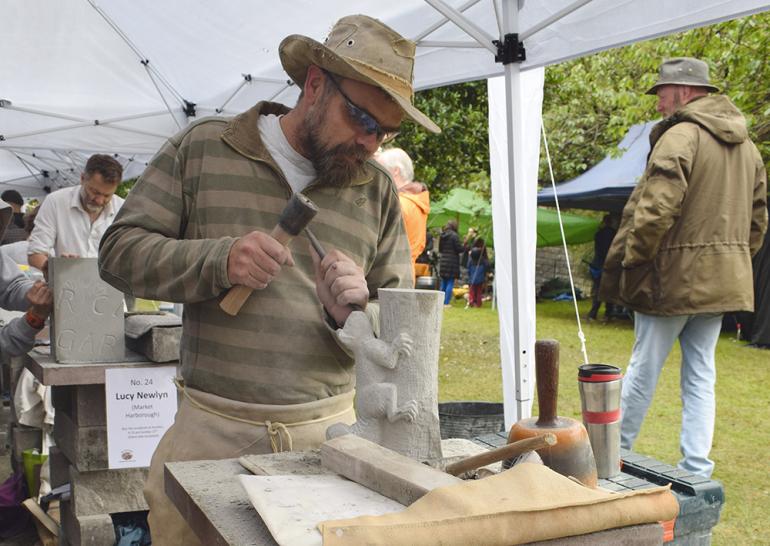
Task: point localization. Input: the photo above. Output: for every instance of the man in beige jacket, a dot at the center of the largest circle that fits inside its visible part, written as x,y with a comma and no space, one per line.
682,255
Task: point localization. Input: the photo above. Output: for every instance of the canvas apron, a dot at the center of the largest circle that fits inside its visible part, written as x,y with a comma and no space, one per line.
209,427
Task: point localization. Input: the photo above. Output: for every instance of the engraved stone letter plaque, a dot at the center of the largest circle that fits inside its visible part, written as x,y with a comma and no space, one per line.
87,323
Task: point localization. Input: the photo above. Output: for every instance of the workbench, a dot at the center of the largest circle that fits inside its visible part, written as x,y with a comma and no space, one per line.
80,456
210,497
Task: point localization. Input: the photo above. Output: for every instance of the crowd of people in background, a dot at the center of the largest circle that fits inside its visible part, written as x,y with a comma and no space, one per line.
467,260
69,223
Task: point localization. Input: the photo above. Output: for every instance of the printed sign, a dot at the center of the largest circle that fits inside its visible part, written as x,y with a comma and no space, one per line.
141,405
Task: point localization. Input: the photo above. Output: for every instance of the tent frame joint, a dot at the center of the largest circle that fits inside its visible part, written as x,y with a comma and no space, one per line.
510,49
189,109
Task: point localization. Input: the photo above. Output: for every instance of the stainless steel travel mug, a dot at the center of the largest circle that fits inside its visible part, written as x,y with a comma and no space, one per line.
600,400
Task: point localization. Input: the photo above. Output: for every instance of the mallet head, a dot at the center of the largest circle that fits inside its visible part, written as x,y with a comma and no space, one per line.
297,214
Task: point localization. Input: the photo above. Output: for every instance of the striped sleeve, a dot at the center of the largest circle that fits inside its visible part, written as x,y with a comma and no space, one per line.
144,252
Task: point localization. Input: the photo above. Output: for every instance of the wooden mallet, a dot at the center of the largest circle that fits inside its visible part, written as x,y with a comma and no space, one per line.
294,218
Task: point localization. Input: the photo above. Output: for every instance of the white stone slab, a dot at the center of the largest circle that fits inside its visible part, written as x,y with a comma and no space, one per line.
293,506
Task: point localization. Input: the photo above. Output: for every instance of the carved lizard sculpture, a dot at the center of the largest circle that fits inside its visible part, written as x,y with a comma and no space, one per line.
376,396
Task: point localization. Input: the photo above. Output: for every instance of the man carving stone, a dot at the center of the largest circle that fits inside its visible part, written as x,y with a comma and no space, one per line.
198,222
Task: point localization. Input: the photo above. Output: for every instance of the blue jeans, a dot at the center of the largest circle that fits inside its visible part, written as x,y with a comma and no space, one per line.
446,288
655,336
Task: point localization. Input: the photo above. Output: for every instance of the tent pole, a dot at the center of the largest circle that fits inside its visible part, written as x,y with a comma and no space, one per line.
45,114
473,30
440,23
553,18
142,58
48,130
34,174
132,117
246,81
455,45
518,367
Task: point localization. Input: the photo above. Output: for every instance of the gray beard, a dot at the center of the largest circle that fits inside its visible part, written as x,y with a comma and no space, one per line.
90,208
93,208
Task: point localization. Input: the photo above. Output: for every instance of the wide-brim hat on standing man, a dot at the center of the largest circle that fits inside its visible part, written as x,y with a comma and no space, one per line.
683,71
364,49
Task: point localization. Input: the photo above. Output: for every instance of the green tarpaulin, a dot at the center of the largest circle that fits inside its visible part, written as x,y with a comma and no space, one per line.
470,209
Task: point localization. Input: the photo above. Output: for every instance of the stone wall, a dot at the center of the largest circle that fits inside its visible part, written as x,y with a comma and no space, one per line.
550,263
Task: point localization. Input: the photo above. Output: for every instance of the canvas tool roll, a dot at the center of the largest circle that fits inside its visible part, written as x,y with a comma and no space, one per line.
527,503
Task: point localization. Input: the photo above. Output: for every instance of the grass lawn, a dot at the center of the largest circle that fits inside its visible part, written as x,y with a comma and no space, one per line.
469,369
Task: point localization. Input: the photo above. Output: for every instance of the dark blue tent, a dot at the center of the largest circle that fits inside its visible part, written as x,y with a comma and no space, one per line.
607,185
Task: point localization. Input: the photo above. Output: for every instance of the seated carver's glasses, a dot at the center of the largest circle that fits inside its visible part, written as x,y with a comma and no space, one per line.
361,117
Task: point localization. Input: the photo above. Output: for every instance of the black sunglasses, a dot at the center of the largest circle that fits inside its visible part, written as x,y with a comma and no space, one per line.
361,117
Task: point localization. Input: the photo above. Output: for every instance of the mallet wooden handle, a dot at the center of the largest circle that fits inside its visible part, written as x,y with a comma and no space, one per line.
238,294
547,376
506,452
295,217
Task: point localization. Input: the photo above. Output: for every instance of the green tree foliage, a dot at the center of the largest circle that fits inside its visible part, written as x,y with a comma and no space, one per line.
125,187
590,103
459,156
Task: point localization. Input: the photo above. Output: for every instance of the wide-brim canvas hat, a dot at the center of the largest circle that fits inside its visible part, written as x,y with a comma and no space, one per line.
683,71
364,49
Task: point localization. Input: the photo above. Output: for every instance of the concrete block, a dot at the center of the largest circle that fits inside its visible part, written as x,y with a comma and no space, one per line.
96,530
24,438
5,428
83,404
107,491
87,319
84,447
157,337
60,467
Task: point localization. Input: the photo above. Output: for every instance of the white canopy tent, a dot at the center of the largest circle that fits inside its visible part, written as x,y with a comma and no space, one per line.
85,76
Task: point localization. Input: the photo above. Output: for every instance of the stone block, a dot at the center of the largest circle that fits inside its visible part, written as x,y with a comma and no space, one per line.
5,428
156,337
382,470
84,447
60,467
96,530
87,319
23,437
107,491
83,404
52,373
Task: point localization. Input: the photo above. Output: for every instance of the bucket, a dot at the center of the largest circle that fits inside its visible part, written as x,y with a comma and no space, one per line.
32,460
427,283
470,419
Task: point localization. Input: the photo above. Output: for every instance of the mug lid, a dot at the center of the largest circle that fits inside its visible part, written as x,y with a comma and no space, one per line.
598,372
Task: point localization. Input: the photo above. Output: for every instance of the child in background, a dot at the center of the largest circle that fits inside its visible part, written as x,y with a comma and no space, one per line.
478,266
